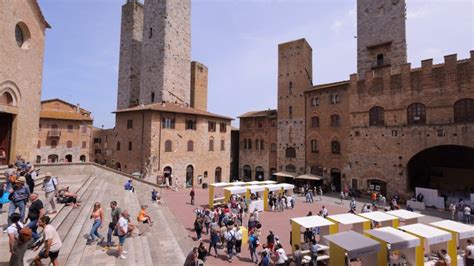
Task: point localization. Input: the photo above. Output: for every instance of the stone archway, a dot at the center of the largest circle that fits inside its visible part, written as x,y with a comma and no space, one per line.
189,176
6,121
448,168
53,158
68,158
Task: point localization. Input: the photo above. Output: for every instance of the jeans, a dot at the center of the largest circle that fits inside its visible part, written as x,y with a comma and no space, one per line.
94,233
198,233
211,245
238,246
253,253
230,249
12,208
33,225
467,218
109,233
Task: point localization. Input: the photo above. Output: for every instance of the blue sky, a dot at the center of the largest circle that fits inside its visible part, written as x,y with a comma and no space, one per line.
237,40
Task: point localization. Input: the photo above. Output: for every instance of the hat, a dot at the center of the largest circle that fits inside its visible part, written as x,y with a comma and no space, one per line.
48,174
21,179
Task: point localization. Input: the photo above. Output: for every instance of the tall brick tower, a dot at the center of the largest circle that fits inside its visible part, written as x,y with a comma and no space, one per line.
381,36
295,70
130,54
199,86
166,52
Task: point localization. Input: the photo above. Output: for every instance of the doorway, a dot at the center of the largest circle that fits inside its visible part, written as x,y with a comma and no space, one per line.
167,171
218,175
53,158
189,176
336,178
5,137
68,158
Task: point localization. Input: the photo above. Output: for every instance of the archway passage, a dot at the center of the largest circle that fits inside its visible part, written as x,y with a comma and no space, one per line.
336,178
53,158
448,168
189,176
118,166
5,137
82,158
68,158
259,173
167,171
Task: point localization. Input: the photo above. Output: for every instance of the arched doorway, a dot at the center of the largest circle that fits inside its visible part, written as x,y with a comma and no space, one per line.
448,168
272,176
167,172
218,175
336,178
247,171
38,159
68,158
189,176
5,137
82,158
53,158
118,166
259,173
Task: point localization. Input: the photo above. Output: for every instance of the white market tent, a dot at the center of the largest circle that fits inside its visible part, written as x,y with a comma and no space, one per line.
381,217
212,188
407,217
355,245
255,188
266,182
275,187
325,227
228,191
358,223
398,240
461,233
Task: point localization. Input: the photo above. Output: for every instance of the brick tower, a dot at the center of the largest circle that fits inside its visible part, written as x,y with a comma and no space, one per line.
166,52
294,76
381,36
199,86
130,54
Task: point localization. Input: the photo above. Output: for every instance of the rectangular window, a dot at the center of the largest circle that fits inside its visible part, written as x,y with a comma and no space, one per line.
39,144
314,146
168,123
40,126
84,129
222,144
248,124
97,140
84,144
211,126
290,112
190,124
290,87
222,127
274,122
70,128
262,145
129,145
249,144
259,123
129,124
257,144
54,143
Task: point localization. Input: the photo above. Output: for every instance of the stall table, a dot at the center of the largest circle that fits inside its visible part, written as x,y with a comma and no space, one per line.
407,217
325,227
381,217
359,224
254,204
431,238
354,245
460,233
281,187
397,240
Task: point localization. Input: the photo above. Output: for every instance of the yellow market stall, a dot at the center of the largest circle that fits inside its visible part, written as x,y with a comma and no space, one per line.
359,224
276,188
396,245
381,218
406,217
235,190
255,203
432,240
325,226
349,245
213,187
460,233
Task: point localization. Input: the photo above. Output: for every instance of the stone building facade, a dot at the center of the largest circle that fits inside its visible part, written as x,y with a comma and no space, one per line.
390,127
258,145
65,133
22,31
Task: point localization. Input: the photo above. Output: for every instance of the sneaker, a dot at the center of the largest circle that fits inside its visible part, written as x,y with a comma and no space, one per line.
124,252
122,257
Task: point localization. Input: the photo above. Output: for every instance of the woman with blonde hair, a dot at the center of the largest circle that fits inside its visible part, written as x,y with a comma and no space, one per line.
98,216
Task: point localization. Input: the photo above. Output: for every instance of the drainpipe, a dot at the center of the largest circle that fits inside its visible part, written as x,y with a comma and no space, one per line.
159,145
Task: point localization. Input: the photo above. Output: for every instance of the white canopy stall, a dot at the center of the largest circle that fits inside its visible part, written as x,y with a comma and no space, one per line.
325,226
406,217
395,241
257,203
235,190
460,233
431,240
280,188
359,224
212,190
382,218
354,245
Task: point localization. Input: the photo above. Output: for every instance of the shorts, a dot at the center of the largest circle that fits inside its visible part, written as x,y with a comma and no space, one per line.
122,239
52,255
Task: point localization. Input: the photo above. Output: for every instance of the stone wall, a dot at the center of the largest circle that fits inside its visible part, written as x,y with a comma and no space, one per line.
199,74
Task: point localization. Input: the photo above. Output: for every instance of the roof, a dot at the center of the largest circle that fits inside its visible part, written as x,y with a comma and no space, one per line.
378,216
354,243
432,234
256,188
311,221
274,187
82,115
464,230
328,85
264,113
172,108
405,215
236,189
347,218
397,239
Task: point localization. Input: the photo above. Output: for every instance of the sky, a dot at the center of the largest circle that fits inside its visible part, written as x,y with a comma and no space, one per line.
238,41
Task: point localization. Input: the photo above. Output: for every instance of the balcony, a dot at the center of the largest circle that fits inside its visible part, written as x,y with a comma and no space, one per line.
54,134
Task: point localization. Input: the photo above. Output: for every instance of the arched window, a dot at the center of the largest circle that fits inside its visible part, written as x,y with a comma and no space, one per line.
464,111
211,144
314,146
69,144
118,145
190,145
315,121
290,168
247,172
38,159
222,144
168,146
259,173
416,113
376,116
335,147
290,153
335,120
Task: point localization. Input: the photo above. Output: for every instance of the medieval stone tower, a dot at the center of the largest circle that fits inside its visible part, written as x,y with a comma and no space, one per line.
295,70
130,54
381,37
166,52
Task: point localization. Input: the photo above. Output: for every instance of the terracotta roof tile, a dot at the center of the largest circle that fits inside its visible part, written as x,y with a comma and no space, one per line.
264,113
50,114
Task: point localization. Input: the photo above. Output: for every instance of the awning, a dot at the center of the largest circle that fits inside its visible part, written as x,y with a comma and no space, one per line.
309,177
285,174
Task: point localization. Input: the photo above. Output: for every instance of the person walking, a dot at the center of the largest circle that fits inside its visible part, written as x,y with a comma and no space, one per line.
52,242
238,240
270,240
202,252
35,212
115,215
342,196
253,243
320,193
281,257
30,177
230,242
98,216
13,230
192,194
19,195
314,252
122,230
214,238
452,209
469,254
467,214
298,255
22,243
50,186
